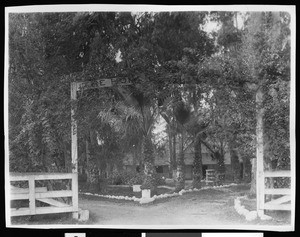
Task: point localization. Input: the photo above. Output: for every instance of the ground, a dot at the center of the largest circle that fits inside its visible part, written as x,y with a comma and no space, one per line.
202,209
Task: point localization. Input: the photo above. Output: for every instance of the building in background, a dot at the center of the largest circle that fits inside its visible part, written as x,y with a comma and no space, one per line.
162,162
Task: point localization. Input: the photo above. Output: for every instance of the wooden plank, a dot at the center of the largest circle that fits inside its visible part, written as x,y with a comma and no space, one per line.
278,191
19,196
39,176
51,194
40,210
23,211
48,210
278,173
280,200
31,183
75,191
16,190
53,202
283,207
53,176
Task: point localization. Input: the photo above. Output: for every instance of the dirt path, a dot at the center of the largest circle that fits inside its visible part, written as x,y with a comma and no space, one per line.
207,207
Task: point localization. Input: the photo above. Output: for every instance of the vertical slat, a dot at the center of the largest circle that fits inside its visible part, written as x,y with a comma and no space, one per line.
75,213
31,183
75,191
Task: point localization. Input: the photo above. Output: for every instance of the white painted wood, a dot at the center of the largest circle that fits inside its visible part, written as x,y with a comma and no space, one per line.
53,202
49,194
284,207
260,184
52,194
19,196
280,200
16,190
75,192
23,211
31,184
48,210
278,173
74,148
40,193
278,191
39,176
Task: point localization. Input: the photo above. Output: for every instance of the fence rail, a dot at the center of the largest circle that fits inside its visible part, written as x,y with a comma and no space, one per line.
281,203
33,194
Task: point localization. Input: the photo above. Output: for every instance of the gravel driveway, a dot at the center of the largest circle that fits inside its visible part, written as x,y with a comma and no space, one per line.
203,208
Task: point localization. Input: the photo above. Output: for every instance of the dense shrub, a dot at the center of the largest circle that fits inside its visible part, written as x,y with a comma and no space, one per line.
137,179
160,180
119,177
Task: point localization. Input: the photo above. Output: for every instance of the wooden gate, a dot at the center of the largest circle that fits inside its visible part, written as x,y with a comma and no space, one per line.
281,196
33,194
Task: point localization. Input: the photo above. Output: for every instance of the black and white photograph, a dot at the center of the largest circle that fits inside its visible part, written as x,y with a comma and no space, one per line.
150,117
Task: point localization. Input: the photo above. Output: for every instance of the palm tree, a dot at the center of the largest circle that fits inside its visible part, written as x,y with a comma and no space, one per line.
182,114
196,128
135,114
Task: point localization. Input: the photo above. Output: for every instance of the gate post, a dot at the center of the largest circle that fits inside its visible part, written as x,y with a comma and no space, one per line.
74,128
260,180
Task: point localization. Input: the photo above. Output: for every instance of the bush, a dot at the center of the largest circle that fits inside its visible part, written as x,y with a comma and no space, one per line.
123,177
136,179
160,180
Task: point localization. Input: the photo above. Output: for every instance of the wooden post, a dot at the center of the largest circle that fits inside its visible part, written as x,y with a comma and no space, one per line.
75,195
260,180
31,185
74,151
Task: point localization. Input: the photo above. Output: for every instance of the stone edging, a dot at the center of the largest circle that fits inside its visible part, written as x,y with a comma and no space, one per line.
249,215
161,196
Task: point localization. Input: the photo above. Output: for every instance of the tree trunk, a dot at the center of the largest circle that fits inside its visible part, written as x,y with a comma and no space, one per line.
235,165
252,192
170,151
180,174
220,166
247,170
220,162
197,164
92,167
174,164
87,156
149,169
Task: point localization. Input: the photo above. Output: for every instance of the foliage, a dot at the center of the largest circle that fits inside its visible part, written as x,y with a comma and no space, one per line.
198,84
121,177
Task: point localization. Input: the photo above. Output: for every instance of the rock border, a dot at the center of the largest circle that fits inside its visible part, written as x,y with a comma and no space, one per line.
249,215
161,196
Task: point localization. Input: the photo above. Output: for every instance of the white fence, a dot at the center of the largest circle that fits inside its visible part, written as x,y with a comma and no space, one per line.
33,193
282,202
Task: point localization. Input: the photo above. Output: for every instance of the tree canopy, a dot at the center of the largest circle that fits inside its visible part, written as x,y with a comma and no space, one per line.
199,83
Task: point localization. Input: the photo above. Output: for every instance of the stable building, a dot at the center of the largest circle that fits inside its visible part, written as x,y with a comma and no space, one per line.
162,162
